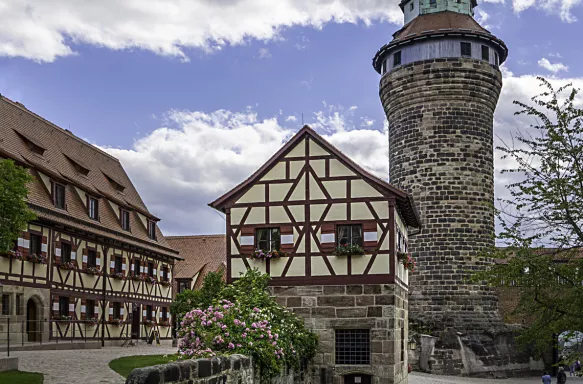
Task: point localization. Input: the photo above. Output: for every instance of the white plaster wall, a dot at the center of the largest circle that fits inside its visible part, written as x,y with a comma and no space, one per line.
359,211
115,207
256,194
336,189
277,192
82,194
298,151
319,166
316,192
337,212
338,169
316,150
299,192
298,212
276,173
361,188
294,168
46,181
278,215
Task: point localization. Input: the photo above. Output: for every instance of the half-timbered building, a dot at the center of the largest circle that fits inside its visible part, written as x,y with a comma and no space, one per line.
331,235
94,264
200,254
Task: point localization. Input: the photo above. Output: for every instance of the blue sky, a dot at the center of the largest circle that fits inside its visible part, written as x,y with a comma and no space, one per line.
125,84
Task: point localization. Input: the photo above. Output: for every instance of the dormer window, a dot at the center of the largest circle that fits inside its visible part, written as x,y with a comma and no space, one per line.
78,165
152,229
59,195
125,219
115,184
93,207
32,144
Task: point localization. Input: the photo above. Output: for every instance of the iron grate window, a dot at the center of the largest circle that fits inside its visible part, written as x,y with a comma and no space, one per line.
353,346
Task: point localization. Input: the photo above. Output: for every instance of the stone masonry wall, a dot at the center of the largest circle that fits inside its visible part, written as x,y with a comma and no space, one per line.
235,369
380,308
440,116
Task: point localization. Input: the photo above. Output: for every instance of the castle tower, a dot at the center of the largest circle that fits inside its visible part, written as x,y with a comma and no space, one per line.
440,85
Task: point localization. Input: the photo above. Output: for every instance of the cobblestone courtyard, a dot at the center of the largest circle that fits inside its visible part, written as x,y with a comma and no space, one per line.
91,367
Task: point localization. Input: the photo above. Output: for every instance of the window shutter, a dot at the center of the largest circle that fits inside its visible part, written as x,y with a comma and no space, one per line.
110,311
58,252
112,264
247,240
83,308
287,238
370,235
72,307
328,237
84,258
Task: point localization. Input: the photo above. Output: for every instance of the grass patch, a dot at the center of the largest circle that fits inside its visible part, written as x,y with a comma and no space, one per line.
19,377
124,365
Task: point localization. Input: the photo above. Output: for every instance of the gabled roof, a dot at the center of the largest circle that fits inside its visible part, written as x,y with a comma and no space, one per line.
62,150
201,253
404,201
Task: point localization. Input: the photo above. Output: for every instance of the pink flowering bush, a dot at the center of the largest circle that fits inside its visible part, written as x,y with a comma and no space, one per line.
245,319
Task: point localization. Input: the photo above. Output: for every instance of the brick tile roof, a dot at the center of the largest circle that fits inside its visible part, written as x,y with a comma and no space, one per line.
201,253
62,150
434,22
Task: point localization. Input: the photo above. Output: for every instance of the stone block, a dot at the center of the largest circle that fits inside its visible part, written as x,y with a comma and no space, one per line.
334,290
354,289
285,291
336,301
294,301
384,300
323,312
364,301
374,312
171,372
310,290
309,301
351,312
372,289
204,368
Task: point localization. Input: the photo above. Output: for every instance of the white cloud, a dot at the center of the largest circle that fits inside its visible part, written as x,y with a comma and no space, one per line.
264,53
45,30
554,68
199,156
292,119
562,8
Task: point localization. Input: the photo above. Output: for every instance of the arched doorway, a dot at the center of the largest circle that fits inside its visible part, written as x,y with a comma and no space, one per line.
32,321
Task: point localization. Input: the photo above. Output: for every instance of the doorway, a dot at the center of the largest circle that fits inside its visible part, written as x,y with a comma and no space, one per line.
135,321
32,324
357,378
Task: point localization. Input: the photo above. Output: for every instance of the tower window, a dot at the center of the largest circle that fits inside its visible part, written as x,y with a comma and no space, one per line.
485,53
397,59
466,49
433,3
496,59
411,6
384,68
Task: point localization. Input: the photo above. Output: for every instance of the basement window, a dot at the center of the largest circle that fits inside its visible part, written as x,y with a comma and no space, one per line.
353,346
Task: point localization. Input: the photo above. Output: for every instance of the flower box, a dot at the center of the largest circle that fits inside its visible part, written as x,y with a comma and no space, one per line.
38,259
64,319
164,323
93,322
149,323
137,277
407,260
68,265
165,283
92,271
12,254
349,250
118,276
151,280
263,255
117,322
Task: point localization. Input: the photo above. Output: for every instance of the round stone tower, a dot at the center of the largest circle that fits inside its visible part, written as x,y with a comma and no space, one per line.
440,85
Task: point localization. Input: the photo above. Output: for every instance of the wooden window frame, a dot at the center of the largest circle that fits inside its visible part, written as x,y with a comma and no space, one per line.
164,314
152,229
465,44
56,202
485,53
137,267
165,271
93,213
274,244
117,264
35,244
125,224
150,269
91,258
116,305
187,284
397,59
149,310
64,309
69,247
351,226
89,309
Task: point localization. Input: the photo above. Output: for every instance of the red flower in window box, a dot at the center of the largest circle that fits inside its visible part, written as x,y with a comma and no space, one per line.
67,265
149,323
348,250
37,259
408,261
151,280
264,255
118,276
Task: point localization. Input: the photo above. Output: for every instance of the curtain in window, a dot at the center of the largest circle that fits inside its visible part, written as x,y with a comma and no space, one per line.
263,239
356,235
343,235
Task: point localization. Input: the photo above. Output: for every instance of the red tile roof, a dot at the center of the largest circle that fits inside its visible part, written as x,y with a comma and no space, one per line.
19,125
201,253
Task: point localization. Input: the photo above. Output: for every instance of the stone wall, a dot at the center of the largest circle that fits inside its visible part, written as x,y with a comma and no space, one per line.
440,116
380,308
235,369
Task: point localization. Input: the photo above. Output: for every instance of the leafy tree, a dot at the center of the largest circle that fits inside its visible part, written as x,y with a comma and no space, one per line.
14,212
185,301
542,218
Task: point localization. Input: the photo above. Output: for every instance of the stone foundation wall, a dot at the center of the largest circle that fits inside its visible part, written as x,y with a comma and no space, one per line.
235,369
18,316
380,308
